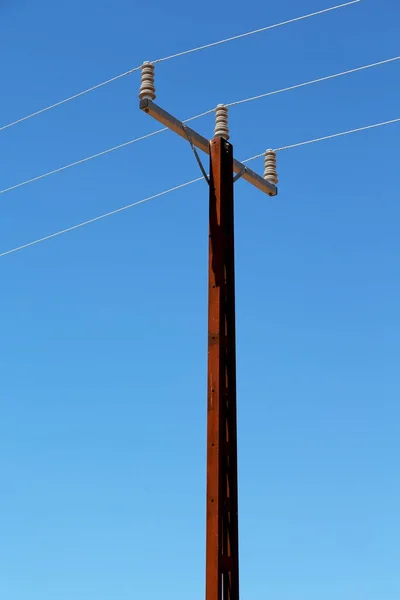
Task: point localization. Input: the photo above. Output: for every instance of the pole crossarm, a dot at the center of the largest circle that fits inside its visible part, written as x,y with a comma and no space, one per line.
200,142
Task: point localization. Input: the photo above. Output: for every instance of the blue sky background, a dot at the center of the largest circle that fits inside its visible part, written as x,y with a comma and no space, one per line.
103,330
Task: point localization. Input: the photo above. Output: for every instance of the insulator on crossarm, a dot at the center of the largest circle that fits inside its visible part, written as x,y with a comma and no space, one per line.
147,89
221,122
270,172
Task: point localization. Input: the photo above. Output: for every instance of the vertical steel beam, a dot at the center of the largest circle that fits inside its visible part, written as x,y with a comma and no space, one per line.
222,552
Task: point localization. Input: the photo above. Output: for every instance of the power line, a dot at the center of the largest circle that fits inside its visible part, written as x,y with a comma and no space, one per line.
327,137
314,81
173,56
153,133
268,27
299,85
100,217
335,135
81,161
83,93
183,185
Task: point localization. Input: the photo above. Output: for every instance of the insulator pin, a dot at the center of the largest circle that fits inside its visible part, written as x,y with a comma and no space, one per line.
221,122
147,89
270,172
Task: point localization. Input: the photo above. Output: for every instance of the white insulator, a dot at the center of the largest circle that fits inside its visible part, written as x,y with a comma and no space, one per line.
147,89
270,172
221,122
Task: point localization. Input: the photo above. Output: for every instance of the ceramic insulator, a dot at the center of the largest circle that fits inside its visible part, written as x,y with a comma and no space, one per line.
270,172
221,122
147,90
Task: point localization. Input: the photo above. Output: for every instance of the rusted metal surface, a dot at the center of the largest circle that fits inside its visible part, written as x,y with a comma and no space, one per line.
222,553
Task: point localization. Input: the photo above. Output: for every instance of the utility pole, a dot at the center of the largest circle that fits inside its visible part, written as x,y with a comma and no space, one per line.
222,544
222,531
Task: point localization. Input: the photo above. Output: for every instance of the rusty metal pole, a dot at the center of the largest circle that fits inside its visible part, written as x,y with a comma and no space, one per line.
222,551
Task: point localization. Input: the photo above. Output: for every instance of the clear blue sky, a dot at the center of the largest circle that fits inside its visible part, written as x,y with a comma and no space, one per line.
103,330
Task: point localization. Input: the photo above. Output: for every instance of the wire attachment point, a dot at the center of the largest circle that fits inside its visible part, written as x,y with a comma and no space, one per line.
270,172
221,122
240,174
147,88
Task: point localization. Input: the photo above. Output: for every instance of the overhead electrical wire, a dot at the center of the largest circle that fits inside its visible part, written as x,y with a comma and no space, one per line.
73,97
183,185
327,137
173,56
100,217
314,81
231,104
336,135
255,31
81,161
300,85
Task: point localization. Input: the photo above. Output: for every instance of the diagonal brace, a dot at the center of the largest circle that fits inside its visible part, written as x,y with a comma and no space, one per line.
197,157
239,175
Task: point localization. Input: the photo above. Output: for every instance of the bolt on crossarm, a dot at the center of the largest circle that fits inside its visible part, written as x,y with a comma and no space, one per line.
222,531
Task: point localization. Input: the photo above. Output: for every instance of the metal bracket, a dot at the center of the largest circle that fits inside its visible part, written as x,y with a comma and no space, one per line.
239,175
189,137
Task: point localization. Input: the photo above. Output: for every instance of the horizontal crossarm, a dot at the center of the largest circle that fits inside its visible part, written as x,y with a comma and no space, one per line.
149,107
